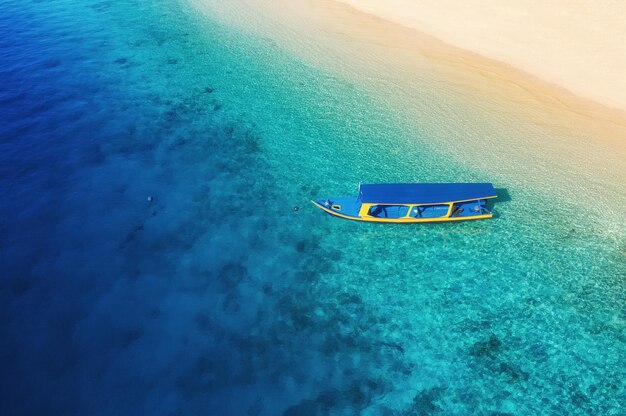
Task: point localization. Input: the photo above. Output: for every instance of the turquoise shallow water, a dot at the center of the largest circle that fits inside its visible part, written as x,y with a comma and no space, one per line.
215,297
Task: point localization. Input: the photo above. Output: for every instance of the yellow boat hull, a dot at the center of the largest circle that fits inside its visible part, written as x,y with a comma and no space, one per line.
404,220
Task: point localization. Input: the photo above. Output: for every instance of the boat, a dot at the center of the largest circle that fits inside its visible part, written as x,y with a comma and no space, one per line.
413,202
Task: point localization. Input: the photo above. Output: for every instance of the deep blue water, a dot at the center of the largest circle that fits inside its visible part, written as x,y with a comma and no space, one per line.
151,261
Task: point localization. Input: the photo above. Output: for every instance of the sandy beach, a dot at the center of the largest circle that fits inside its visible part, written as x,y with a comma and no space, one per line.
579,45
563,58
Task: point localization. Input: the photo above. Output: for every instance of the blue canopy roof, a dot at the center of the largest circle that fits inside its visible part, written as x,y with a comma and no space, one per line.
424,193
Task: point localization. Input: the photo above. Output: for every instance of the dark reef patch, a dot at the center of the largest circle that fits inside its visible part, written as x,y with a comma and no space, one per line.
354,398
232,274
487,348
129,336
425,402
513,372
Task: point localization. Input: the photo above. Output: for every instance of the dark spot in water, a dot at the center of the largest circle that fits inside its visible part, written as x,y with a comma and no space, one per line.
22,285
131,130
513,372
579,399
171,115
349,298
335,255
393,346
204,365
424,402
538,352
232,274
51,63
131,236
121,61
172,61
486,348
178,143
208,90
217,107
331,345
354,397
301,318
328,399
304,408
129,336
96,156
407,370
256,408
532,301
231,304
101,6
203,322
201,376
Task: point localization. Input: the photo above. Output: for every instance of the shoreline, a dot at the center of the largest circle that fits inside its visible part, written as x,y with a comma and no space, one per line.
580,47
481,113
337,26
508,76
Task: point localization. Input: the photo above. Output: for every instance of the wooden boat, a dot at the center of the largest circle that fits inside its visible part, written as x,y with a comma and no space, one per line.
413,202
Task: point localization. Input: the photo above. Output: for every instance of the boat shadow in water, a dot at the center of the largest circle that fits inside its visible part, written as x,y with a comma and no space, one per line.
503,195
503,198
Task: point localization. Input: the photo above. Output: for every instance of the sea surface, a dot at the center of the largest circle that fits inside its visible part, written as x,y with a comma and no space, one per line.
159,254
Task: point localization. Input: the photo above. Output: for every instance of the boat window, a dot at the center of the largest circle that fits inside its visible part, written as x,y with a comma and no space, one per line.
469,208
388,211
429,211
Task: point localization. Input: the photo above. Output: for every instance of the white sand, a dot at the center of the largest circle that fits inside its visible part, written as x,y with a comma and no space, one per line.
579,45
